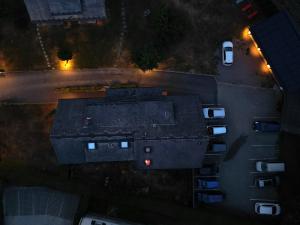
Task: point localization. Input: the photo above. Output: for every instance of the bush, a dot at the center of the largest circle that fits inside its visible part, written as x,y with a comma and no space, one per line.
147,57
165,27
65,54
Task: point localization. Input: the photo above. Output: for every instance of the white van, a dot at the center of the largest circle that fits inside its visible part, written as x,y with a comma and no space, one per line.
270,166
216,130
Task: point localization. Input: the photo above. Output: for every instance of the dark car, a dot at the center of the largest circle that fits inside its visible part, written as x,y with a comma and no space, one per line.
211,197
208,170
266,126
247,8
263,182
2,72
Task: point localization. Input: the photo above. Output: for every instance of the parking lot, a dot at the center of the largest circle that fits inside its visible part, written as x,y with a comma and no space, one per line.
237,172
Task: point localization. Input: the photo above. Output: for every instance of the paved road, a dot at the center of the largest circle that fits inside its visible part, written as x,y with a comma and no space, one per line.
40,86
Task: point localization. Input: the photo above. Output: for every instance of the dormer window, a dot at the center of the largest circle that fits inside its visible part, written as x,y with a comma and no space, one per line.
91,146
124,144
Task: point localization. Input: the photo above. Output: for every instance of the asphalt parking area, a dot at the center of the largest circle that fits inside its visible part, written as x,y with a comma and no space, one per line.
248,67
243,105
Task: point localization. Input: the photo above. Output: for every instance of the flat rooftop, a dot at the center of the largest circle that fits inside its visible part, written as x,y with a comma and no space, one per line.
60,10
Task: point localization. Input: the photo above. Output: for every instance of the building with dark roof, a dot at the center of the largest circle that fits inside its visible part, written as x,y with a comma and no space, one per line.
279,41
58,11
38,205
139,125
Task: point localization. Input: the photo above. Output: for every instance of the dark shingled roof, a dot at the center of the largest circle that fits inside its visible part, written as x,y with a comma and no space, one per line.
172,125
279,41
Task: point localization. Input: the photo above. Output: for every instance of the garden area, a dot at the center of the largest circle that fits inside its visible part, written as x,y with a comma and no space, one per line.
177,34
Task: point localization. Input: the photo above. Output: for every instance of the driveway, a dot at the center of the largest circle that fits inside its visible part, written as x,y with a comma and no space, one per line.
243,105
248,69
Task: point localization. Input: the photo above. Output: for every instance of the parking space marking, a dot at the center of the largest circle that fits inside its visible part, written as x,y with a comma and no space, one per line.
213,154
256,172
203,176
263,159
262,200
269,146
266,117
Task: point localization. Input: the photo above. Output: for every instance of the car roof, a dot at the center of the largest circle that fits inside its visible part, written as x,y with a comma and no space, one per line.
219,112
266,209
219,130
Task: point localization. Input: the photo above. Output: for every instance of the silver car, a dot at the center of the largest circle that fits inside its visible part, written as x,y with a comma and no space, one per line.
266,208
213,113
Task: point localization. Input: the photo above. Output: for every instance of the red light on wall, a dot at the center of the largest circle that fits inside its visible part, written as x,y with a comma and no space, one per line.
148,162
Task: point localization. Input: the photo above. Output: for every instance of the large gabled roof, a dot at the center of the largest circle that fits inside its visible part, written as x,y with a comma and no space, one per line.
279,40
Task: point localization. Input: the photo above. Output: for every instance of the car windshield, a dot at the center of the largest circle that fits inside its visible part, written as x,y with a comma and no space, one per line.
264,166
229,49
210,113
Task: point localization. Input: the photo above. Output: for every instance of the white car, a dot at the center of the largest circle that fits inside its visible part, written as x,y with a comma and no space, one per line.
214,113
216,130
227,53
264,208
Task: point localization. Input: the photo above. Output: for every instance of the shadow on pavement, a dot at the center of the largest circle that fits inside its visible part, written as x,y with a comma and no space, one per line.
234,148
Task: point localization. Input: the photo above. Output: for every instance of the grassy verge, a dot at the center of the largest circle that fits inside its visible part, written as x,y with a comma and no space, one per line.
80,89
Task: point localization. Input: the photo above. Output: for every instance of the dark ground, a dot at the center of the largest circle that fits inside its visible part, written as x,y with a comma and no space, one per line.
289,192
114,189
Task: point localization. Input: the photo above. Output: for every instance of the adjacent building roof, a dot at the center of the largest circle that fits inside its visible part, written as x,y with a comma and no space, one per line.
37,205
60,10
171,126
279,41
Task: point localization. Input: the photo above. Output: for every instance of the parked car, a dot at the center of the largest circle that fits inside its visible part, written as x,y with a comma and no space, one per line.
227,53
263,182
208,170
216,130
247,8
270,166
208,184
264,208
213,113
2,73
211,197
217,147
266,126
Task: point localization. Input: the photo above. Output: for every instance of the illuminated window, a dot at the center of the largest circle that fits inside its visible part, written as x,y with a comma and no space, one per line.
124,144
91,146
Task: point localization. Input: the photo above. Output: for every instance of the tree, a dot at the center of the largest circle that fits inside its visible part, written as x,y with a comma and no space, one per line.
147,57
65,54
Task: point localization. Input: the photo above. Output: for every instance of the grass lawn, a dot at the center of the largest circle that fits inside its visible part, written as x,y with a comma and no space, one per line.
19,48
211,23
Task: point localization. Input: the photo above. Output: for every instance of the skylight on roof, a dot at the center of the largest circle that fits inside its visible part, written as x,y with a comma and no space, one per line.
91,146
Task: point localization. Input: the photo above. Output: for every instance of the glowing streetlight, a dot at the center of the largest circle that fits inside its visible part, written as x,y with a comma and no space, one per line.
66,65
